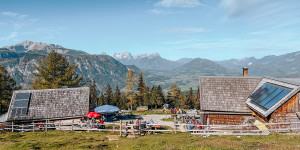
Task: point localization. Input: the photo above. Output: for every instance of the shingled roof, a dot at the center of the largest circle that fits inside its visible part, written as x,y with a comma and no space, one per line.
49,104
226,94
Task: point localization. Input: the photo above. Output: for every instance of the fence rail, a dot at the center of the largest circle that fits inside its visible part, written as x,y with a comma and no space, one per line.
245,129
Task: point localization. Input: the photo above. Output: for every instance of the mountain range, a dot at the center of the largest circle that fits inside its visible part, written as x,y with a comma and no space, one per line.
148,62
19,59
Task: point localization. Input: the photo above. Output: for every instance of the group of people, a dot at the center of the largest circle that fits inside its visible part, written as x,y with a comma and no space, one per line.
177,111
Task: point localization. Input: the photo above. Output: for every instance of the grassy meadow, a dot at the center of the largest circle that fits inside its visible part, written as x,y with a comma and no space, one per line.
168,141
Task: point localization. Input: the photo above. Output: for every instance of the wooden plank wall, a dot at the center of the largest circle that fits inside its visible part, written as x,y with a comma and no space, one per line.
285,113
226,119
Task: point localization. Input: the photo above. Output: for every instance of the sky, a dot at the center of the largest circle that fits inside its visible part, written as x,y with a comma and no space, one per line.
211,29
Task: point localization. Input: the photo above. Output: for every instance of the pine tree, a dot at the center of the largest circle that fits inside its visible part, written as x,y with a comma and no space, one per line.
160,96
117,97
108,95
93,92
130,83
7,86
173,96
54,72
153,98
101,99
141,89
190,99
147,96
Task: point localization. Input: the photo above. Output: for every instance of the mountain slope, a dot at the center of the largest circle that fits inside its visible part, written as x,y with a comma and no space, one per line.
101,68
41,48
148,62
202,67
282,66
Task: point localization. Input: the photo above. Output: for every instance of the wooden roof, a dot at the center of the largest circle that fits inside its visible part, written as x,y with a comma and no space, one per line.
226,94
53,103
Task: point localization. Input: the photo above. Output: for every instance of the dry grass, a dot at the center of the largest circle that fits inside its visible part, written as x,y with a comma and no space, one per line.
167,141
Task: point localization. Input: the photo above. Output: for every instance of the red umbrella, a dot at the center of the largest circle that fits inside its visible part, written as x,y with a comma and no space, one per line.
92,115
95,115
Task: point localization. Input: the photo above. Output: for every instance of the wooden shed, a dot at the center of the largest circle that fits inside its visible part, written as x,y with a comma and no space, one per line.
276,101
62,103
222,99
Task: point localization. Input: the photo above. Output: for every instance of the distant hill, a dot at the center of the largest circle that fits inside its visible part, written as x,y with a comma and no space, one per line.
282,66
101,68
202,67
147,62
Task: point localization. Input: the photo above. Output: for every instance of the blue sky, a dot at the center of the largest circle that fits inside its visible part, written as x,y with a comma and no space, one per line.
211,29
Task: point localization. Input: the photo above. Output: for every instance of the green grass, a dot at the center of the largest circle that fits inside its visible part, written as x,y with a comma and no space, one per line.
167,119
167,141
156,112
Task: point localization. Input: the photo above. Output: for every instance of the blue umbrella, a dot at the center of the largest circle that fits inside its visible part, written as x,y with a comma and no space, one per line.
107,109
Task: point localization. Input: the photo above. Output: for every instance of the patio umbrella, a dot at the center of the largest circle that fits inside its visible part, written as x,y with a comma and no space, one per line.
92,115
107,109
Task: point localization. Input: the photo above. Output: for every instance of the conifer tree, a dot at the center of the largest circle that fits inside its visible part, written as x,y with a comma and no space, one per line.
141,89
108,95
101,99
93,92
173,96
190,99
130,83
153,98
117,97
147,96
7,86
54,72
160,96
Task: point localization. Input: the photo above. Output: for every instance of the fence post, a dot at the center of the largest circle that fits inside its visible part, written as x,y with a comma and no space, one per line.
59,125
22,128
32,126
12,126
113,127
46,126
72,124
121,128
88,126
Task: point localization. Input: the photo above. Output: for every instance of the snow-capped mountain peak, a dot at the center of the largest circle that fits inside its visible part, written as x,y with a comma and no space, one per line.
124,55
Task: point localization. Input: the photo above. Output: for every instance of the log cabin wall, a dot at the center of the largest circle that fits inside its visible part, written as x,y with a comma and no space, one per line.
285,113
226,119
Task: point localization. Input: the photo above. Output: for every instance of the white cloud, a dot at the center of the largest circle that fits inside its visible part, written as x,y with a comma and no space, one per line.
185,30
160,12
178,3
12,14
236,8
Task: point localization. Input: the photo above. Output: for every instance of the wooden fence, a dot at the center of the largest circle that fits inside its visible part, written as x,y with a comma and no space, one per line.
123,128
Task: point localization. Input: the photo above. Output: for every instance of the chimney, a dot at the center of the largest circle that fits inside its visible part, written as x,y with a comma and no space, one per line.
245,72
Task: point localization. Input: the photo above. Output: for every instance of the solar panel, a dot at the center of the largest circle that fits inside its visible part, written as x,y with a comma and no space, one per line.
18,112
269,94
21,104
22,96
13,112
23,111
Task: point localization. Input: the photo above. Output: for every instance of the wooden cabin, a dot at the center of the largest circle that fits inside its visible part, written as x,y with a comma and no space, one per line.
51,104
222,99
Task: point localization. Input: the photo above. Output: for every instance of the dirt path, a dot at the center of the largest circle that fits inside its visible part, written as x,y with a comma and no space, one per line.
157,119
